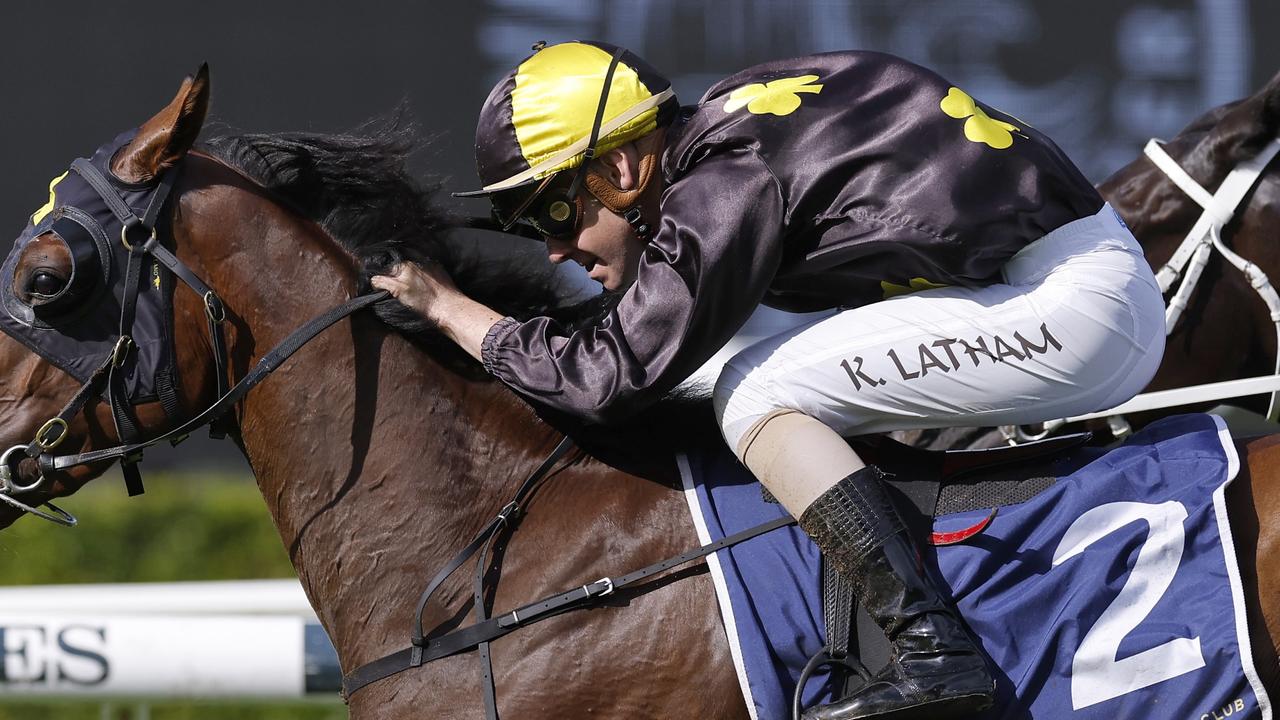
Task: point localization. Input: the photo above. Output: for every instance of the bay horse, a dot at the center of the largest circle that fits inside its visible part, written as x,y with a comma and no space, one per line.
380,449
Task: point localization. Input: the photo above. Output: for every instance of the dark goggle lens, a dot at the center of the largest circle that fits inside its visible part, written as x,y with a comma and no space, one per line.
559,217
550,209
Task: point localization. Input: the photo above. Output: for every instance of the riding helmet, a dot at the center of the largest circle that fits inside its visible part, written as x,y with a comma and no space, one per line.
538,119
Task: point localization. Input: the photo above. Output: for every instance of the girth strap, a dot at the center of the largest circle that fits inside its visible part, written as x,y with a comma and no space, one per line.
490,533
494,628
507,515
482,614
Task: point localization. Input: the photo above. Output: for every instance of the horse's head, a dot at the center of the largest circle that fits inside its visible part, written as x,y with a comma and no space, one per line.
61,289
1225,332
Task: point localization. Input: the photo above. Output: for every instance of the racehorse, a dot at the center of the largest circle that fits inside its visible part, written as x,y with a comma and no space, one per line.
380,450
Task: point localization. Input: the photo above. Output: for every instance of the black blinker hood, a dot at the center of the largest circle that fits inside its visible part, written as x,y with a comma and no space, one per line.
78,330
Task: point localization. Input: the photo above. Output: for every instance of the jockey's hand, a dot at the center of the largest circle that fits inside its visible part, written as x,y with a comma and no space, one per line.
430,291
426,288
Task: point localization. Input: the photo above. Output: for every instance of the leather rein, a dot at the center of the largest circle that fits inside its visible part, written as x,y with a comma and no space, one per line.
140,238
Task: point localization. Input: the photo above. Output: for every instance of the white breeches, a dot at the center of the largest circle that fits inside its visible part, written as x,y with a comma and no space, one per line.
1078,326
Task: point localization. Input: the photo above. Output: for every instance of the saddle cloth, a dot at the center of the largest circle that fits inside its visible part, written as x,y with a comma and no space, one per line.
1114,593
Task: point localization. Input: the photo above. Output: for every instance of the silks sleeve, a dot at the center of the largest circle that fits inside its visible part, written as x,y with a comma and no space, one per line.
717,247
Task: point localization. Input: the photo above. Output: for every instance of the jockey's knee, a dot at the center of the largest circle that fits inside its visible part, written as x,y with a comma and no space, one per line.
792,454
743,404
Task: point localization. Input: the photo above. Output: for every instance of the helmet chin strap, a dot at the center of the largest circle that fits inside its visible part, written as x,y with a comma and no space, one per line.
622,202
638,224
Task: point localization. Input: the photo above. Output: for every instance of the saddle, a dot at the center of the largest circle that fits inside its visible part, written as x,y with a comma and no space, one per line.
929,483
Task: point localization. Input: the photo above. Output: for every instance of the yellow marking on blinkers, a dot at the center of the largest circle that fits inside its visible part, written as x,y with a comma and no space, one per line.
47,208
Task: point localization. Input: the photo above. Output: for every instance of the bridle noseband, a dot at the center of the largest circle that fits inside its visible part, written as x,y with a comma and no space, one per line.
140,238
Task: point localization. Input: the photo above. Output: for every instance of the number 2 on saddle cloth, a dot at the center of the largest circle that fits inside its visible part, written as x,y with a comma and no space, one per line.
1105,583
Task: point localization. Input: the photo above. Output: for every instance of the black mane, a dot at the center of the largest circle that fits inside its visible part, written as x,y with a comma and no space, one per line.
357,187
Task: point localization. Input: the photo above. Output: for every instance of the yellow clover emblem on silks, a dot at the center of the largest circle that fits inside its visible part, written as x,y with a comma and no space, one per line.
778,97
917,284
47,208
979,127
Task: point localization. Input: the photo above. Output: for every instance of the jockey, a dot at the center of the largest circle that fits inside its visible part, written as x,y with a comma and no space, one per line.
980,278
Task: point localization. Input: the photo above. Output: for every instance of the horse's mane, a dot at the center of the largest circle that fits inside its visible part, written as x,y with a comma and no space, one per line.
357,186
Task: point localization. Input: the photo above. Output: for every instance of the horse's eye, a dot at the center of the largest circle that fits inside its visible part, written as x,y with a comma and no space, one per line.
46,284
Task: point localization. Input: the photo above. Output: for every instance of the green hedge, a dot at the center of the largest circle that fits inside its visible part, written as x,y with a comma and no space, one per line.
186,527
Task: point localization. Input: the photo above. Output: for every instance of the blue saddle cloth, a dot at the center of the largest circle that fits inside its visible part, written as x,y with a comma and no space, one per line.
1112,594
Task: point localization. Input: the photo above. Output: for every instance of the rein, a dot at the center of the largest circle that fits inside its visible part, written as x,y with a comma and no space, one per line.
108,376
265,366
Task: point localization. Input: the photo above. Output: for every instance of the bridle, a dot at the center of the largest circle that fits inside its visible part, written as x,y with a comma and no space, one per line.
140,237
1206,236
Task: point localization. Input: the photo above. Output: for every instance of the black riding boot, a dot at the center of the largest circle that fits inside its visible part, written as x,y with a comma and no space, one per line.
936,671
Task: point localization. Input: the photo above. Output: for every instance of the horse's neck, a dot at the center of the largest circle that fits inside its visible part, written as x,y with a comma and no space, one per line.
376,462
386,465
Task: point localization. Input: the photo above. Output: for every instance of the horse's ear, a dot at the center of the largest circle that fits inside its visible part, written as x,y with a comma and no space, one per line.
164,139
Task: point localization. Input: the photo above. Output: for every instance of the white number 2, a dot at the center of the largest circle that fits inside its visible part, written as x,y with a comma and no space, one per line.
1096,674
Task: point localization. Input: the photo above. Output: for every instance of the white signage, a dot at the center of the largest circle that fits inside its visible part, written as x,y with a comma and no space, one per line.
154,656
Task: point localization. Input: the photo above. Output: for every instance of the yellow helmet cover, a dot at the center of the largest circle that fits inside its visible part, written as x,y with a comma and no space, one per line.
537,120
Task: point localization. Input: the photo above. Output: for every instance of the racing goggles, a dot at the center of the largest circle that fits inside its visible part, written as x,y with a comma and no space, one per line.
553,209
